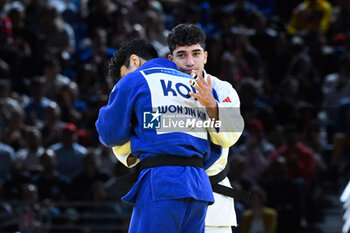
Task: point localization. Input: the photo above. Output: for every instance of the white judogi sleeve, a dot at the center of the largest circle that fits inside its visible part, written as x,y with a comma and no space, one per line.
222,212
123,154
232,123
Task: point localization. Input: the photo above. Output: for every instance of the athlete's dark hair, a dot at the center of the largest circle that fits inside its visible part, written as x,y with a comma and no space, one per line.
137,46
186,34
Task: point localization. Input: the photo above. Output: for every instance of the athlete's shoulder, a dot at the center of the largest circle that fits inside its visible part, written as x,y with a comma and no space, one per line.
224,91
220,85
158,62
216,82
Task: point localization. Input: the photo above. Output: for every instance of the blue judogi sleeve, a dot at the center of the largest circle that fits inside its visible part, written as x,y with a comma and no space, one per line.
114,120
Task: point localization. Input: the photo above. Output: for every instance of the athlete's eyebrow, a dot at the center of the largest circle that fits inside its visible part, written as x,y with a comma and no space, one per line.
181,51
184,51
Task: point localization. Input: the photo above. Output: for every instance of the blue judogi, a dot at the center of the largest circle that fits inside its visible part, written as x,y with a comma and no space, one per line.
160,192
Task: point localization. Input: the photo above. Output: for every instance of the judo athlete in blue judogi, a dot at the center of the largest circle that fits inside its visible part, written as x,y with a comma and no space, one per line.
167,197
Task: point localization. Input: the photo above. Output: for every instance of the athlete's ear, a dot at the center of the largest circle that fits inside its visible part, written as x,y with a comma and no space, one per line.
170,57
205,57
135,61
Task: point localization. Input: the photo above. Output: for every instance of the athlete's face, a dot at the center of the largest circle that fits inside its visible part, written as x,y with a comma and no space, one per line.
124,70
188,58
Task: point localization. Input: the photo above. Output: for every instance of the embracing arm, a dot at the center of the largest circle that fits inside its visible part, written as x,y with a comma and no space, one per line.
124,155
229,114
114,120
225,107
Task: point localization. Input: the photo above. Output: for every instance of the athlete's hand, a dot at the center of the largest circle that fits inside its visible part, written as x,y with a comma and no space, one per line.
204,93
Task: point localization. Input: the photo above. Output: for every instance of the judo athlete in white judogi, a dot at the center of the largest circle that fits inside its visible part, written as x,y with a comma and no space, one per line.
187,49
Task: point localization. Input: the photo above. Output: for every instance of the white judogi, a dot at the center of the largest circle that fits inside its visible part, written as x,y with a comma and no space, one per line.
221,215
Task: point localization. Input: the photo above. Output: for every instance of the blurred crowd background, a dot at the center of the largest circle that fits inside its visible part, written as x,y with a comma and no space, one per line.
288,60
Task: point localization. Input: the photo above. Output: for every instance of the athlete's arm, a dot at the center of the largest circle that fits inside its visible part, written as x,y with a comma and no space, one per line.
113,124
229,114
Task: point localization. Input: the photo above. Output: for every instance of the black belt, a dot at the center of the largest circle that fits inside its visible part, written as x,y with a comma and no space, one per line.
168,160
219,177
127,181
235,193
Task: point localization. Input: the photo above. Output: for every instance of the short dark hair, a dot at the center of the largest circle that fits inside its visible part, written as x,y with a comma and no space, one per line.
137,46
186,34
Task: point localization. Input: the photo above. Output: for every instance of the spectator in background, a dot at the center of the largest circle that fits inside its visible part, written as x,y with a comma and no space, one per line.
300,165
59,35
29,157
256,152
300,159
235,174
98,193
34,10
35,107
107,160
341,17
69,153
100,15
7,103
30,220
248,57
51,184
120,27
156,33
252,105
82,184
266,7
287,102
335,87
216,49
303,70
229,69
284,195
341,140
22,39
324,57
284,9
87,79
259,218
309,15
5,22
68,101
52,127
13,182
279,59
242,11
97,50
7,158
54,81
8,222
15,129
139,8
10,56
263,36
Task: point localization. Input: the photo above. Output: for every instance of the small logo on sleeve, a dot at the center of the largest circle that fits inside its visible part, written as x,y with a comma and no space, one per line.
227,100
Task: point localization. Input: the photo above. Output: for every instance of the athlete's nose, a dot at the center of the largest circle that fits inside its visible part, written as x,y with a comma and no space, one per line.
189,61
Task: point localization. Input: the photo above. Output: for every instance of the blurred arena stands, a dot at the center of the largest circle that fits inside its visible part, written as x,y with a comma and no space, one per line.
288,60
